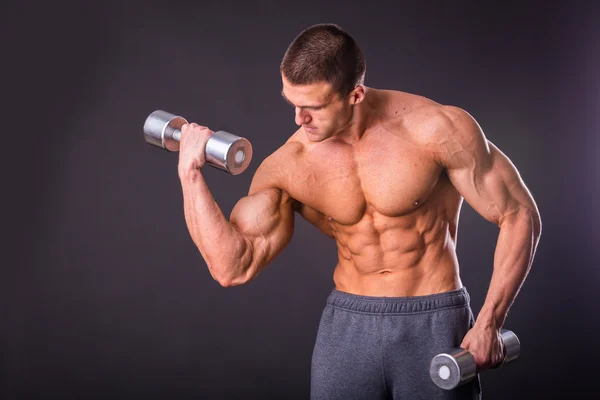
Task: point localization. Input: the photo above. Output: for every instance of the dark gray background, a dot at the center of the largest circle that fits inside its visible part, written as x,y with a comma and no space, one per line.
103,293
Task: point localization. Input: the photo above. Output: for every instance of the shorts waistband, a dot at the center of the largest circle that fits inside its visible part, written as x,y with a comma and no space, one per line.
398,305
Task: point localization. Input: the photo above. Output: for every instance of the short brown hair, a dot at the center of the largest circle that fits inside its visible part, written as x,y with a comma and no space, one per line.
325,52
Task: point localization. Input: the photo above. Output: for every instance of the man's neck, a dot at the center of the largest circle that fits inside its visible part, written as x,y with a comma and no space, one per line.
363,115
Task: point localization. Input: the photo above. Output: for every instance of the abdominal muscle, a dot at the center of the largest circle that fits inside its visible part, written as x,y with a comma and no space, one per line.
411,255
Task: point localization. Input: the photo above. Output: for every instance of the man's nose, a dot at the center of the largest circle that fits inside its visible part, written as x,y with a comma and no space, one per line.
301,117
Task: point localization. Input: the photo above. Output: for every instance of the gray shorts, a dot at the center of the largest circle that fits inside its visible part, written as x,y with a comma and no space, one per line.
380,347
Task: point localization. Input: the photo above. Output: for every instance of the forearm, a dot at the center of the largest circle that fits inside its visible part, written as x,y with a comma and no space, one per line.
515,250
226,252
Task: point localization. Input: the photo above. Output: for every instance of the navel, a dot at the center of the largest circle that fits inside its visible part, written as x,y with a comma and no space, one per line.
416,203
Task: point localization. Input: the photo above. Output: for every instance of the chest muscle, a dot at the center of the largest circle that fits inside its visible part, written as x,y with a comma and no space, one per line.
343,182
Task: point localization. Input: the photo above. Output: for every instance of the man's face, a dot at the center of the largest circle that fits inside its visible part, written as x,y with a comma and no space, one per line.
319,109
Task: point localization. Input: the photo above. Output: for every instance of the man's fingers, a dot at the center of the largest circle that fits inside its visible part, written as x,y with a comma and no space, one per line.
192,126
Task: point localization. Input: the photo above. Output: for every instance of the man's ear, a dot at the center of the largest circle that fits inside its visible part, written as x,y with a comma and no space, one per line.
357,95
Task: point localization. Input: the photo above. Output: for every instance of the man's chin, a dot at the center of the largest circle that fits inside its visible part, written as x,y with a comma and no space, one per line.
314,137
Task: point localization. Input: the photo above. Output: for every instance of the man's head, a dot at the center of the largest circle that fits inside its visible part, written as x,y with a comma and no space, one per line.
323,72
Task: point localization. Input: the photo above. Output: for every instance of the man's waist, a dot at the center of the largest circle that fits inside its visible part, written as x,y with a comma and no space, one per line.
397,281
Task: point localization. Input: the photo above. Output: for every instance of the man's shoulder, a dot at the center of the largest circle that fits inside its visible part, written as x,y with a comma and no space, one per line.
437,115
395,97
291,150
442,130
423,121
403,111
418,107
431,122
275,169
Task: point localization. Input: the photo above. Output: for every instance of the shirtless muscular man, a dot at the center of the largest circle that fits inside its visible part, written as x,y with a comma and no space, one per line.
384,174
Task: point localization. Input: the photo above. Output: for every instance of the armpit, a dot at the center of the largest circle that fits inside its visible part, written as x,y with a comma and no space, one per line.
316,218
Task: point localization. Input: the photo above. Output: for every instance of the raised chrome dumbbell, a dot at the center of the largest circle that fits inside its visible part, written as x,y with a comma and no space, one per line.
452,369
224,151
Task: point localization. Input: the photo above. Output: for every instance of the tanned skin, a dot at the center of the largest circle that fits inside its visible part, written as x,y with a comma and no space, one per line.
384,174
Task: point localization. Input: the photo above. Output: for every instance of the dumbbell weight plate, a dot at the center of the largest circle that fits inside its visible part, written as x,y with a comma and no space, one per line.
163,129
448,370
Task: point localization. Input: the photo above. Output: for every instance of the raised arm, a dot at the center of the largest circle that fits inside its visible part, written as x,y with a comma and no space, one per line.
491,184
260,225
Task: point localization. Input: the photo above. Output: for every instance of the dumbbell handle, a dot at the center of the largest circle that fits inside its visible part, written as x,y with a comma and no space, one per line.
450,370
224,151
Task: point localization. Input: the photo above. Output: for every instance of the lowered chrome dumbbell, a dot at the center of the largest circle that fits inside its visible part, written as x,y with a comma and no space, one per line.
452,369
224,151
